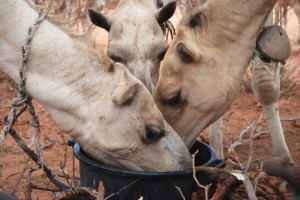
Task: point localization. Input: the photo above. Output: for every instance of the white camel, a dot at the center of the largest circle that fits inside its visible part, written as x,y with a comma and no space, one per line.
135,36
96,101
203,68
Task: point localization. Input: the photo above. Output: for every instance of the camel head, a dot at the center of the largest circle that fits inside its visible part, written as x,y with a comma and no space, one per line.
98,102
203,68
129,130
135,36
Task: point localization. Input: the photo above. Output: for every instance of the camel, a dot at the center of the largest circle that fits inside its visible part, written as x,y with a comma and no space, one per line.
284,5
203,68
109,112
135,36
296,8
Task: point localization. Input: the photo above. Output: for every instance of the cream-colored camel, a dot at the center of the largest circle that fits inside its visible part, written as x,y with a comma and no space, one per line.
296,8
96,101
284,5
135,36
203,68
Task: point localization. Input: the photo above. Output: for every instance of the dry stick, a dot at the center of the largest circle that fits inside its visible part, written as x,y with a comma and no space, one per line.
290,119
124,188
241,141
35,158
206,188
65,175
29,189
179,190
21,176
35,187
293,119
260,121
247,183
68,176
253,128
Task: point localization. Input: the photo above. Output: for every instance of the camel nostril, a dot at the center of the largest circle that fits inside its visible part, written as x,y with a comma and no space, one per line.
152,135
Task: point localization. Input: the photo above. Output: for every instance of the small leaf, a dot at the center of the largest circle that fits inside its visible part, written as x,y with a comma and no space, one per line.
282,70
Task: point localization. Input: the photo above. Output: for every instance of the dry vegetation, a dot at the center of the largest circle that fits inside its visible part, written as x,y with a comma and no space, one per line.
21,176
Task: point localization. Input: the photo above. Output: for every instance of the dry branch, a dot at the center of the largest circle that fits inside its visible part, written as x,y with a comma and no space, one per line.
205,187
35,158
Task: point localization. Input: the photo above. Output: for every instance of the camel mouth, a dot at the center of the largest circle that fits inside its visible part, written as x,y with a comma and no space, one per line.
114,179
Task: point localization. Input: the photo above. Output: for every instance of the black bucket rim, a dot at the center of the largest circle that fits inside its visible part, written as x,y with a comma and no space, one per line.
115,170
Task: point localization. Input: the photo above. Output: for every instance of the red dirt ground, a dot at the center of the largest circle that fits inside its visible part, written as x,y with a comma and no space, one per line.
15,165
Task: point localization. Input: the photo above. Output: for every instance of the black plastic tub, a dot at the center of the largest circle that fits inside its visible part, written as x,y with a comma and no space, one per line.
131,185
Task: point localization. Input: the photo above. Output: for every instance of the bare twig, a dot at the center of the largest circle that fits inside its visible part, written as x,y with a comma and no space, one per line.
21,176
246,181
179,190
290,119
241,141
249,187
35,187
253,128
206,188
65,173
254,133
29,184
124,188
35,158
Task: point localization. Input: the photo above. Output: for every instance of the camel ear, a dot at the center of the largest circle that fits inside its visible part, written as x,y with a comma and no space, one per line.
195,20
99,20
126,89
125,94
166,12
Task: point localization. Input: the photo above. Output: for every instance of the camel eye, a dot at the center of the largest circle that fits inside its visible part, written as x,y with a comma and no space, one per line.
174,101
161,55
152,135
185,55
116,58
